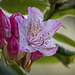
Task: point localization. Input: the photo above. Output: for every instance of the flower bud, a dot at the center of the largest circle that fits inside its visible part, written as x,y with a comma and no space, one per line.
14,24
13,47
35,56
5,26
2,41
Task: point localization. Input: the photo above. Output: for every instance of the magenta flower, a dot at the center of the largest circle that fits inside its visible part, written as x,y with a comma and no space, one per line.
35,56
13,47
35,35
2,41
5,26
14,24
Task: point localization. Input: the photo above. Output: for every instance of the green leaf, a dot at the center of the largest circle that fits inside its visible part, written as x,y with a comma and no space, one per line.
47,60
50,10
6,70
15,6
61,9
63,12
64,39
18,69
65,56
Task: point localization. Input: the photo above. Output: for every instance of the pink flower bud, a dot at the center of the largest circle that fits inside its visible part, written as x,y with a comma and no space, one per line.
2,41
35,56
14,24
5,26
13,47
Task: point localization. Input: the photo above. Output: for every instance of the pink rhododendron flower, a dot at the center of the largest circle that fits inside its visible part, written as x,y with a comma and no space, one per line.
14,24
35,35
12,47
35,56
5,26
2,41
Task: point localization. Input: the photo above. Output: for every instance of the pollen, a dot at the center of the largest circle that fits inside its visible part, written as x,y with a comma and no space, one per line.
43,34
48,33
33,34
41,38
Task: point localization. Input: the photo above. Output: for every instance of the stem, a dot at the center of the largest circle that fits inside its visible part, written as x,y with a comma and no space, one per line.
49,13
3,59
25,68
29,67
24,60
21,62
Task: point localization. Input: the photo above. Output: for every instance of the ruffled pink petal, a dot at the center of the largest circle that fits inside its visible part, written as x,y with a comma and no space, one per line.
2,41
23,28
24,45
49,44
35,17
23,35
14,24
13,47
34,14
49,28
37,43
52,26
5,26
49,51
23,40
22,25
36,55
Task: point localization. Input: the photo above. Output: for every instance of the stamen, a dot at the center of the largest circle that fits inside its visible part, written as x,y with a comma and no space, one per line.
43,34
36,34
48,33
33,34
41,38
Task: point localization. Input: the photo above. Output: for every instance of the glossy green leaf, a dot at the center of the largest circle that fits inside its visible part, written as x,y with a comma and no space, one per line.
18,69
60,10
65,56
64,39
6,70
63,12
50,10
15,6
47,60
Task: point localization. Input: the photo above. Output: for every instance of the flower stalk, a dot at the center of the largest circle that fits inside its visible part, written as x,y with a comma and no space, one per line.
28,66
